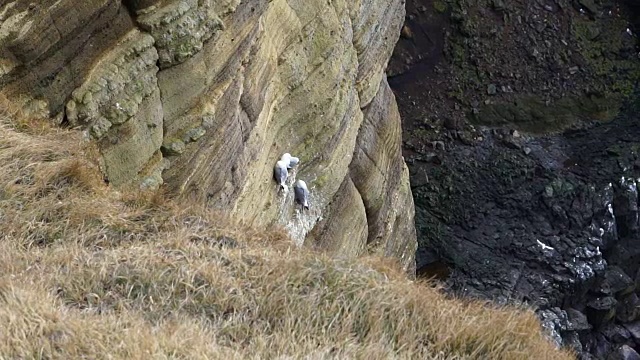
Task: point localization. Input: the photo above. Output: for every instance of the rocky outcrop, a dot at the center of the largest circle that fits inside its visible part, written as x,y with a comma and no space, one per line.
510,204
205,96
550,221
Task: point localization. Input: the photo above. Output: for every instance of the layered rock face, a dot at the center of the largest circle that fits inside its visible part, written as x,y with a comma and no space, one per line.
206,95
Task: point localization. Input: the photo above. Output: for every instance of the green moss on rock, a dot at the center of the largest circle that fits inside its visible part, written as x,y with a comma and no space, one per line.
531,113
440,6
608,54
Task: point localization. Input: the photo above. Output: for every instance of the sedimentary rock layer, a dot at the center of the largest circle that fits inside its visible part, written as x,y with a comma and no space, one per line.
206,95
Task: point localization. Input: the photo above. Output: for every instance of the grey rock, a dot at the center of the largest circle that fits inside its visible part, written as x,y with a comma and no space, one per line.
616,333
175,147
577,320
626,210
151,182
634,330
554,321
99,128
628,308
498,5
194,134
571,340
616,282
601,310
598,346
589,5
180,29
624,352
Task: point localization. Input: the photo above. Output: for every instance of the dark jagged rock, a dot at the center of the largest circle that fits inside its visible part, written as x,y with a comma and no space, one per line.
598,345
571,340
626,207
541,228
627,309
601,310
634,330
555,321
616,282
624,352
616,333
543,207
577,320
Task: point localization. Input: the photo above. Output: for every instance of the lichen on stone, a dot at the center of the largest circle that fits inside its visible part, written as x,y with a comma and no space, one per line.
180,29
117,86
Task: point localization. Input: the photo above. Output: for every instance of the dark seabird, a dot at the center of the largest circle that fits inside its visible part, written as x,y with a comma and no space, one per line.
280,174
301,194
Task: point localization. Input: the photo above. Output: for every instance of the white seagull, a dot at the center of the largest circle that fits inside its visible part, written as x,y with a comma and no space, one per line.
291,161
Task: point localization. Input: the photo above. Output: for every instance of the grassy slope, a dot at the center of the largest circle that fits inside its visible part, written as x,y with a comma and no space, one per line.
87,271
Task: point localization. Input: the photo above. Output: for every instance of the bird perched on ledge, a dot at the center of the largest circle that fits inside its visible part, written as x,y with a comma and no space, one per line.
301,194
290,160
280,171
280,174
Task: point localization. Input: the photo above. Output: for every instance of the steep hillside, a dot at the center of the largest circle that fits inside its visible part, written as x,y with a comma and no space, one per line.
206,95
86,271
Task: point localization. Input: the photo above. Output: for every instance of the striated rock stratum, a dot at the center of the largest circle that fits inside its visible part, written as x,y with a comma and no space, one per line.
205,96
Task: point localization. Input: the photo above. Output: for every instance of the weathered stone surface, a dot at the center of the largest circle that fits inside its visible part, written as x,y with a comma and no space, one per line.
118,85
128,149
119,104
554,321
634,329
374,23
601,310
180,29
577,320
616,333
624,352
382,179
221,89
542,227
141,6
51,47
619,282
343,235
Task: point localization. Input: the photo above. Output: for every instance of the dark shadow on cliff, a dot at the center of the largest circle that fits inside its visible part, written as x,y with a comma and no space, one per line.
549,220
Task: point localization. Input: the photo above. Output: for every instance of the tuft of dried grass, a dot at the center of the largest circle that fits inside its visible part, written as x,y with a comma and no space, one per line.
90,272
21,121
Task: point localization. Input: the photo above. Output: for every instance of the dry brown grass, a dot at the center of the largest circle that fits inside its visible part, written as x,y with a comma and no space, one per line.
89,272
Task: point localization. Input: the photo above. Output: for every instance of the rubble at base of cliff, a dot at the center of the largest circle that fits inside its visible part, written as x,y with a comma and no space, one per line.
531,196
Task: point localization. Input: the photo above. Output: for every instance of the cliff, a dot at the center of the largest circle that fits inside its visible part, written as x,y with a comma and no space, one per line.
205,96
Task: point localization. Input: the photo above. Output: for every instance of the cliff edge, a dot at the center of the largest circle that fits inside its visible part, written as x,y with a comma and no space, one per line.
205,96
